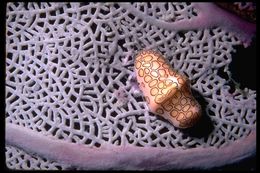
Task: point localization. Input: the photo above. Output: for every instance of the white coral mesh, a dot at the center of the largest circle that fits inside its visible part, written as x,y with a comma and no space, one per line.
67,65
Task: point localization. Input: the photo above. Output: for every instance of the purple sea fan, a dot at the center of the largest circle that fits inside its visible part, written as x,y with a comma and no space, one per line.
65,69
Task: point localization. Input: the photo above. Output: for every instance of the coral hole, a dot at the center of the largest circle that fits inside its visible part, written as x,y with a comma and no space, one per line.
243,66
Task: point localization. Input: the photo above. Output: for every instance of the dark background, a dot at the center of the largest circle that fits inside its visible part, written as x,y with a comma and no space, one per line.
243,69
243,66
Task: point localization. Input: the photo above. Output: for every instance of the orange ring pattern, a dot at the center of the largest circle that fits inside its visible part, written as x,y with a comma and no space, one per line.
170,90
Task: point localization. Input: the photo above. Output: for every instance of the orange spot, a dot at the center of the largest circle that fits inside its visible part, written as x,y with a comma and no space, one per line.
172,91
183,101
167,106
166,65
192,103
138,57
159,111
148,58
185,123
147,78
180,116
141,72
159,99
189,114
162,78
178,107
160,85
156,54
137,64
174,100
160,60
168,82
174,113
146,64
171,72
177,95
165,91
146,70
174,85
186,108
155,65
154,91
162,72
153,83
154,74
181,81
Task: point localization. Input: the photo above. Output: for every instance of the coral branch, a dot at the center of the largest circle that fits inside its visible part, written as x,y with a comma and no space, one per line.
128,157
209,16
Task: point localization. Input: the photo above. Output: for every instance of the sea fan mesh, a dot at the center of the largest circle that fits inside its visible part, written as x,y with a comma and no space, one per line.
69,75
18,159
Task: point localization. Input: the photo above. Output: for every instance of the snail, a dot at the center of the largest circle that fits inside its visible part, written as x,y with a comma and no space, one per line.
166,91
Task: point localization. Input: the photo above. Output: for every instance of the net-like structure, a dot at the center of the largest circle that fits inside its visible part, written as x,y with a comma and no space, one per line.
69,75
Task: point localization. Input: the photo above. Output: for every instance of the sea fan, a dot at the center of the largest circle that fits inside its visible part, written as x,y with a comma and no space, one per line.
72,100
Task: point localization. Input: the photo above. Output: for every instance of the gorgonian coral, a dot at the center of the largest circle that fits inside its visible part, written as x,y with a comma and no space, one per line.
65,63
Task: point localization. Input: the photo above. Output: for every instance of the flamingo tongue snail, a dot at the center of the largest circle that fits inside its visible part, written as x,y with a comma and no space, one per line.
166,91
